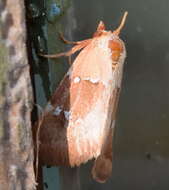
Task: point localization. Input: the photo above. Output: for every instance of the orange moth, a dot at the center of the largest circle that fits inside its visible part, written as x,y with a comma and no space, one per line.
79,120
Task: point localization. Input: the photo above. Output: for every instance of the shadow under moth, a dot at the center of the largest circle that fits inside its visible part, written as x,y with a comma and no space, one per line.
79,120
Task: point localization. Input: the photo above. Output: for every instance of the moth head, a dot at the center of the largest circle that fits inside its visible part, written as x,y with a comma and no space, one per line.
117,49
100,29
115,44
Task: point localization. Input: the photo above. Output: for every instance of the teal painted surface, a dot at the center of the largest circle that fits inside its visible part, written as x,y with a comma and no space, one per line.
51,178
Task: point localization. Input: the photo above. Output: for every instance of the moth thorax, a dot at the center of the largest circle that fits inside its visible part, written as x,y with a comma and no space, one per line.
117,49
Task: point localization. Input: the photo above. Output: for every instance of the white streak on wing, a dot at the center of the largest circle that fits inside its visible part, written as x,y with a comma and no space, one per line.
103,44
78,146
88,132
95,124
106,66
57,111
92,80
69,72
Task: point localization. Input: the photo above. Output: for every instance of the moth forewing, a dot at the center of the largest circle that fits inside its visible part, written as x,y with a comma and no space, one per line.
77,125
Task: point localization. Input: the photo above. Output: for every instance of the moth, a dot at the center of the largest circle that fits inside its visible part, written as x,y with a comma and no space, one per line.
79,119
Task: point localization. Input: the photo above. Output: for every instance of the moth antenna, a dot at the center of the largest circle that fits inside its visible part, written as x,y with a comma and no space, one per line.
117,31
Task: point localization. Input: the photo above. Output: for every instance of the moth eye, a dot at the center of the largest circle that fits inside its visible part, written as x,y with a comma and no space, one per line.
116,49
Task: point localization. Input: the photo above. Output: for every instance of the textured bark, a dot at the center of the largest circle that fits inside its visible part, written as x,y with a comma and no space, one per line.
16,148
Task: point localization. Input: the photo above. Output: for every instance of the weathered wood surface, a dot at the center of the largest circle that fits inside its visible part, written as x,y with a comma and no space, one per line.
16,148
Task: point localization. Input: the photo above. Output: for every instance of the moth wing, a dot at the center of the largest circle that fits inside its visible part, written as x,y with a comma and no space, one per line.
74,129
52,133
93,62
102,167
91,102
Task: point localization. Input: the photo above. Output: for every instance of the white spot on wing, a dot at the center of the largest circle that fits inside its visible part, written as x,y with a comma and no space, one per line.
92,80
57,111
67,115
76,79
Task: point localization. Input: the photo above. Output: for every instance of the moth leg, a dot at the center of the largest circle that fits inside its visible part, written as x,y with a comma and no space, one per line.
74,49
65,40
71,42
